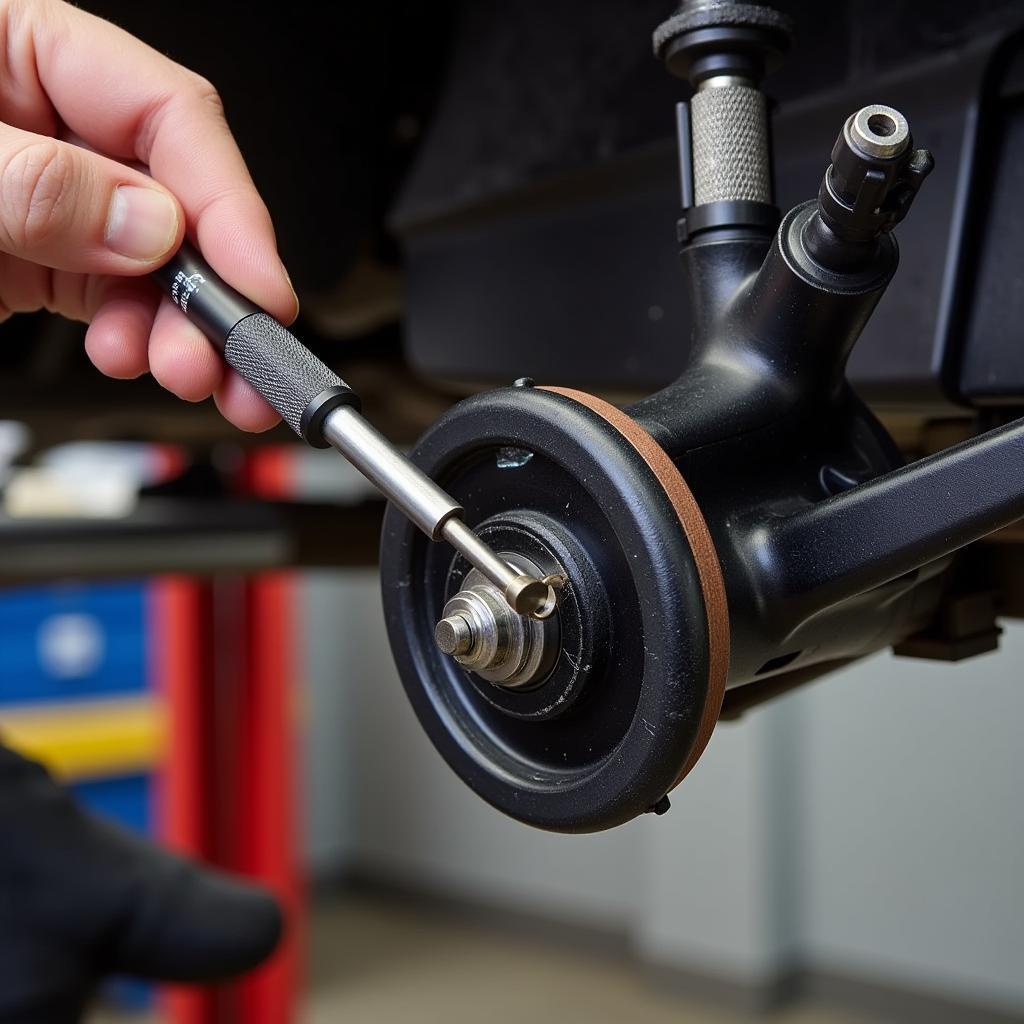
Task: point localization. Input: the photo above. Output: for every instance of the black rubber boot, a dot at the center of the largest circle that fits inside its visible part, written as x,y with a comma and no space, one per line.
80,898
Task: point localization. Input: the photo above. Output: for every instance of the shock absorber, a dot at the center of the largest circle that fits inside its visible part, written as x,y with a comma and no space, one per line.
724,50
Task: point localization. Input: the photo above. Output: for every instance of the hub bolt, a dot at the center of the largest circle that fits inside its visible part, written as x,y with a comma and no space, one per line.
454,635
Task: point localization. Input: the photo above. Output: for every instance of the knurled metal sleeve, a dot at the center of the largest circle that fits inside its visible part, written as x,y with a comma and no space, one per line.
729,130
279,367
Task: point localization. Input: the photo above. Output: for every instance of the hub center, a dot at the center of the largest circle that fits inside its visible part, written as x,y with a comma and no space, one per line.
481,632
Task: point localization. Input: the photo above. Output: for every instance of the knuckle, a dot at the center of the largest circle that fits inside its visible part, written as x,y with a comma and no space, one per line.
20,11
20,19
34,190
206,93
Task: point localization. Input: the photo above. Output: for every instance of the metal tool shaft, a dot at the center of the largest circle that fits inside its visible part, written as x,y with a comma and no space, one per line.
403,483
435,512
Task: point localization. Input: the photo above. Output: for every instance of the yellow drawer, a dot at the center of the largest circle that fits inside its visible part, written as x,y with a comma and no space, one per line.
90,739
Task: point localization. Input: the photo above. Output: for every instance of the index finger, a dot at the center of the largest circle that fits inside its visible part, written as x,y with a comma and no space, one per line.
127,100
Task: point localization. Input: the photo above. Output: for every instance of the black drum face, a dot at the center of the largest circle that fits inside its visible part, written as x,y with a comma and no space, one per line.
602,736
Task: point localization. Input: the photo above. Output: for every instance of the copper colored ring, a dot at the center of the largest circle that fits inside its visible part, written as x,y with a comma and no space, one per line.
709,571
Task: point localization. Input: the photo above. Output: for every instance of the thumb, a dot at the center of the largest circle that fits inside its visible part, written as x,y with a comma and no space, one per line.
71,209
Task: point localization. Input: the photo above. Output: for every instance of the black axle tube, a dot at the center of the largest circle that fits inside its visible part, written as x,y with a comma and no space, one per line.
897,523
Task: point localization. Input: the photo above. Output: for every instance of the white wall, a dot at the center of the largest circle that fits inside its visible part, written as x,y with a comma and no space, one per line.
716,894
871,824
326,790
912,822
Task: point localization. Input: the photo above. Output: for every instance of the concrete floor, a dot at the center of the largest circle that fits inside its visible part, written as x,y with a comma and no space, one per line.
376,961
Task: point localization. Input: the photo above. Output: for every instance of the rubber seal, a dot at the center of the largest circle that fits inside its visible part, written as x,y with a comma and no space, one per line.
311,426
722,14
698,536
727,213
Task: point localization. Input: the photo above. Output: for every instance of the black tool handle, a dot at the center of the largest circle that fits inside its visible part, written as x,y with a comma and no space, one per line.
295,382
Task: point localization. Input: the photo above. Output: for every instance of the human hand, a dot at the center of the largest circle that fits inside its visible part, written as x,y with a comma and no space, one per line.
80,99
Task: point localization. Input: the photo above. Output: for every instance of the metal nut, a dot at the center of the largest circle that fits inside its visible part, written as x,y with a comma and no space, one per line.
879,131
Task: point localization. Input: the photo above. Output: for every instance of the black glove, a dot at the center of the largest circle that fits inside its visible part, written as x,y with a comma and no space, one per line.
81,898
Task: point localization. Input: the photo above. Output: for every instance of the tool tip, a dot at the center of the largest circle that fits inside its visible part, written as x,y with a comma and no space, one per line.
533,598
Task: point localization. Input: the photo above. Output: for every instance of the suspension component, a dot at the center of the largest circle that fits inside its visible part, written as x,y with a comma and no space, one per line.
693,529
867,189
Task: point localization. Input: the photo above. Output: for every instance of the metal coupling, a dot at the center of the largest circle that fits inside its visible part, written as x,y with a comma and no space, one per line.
874,175
480,632
724,50
731,158
866,190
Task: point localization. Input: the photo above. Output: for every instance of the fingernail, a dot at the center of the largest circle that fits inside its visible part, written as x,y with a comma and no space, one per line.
295,296
142,223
